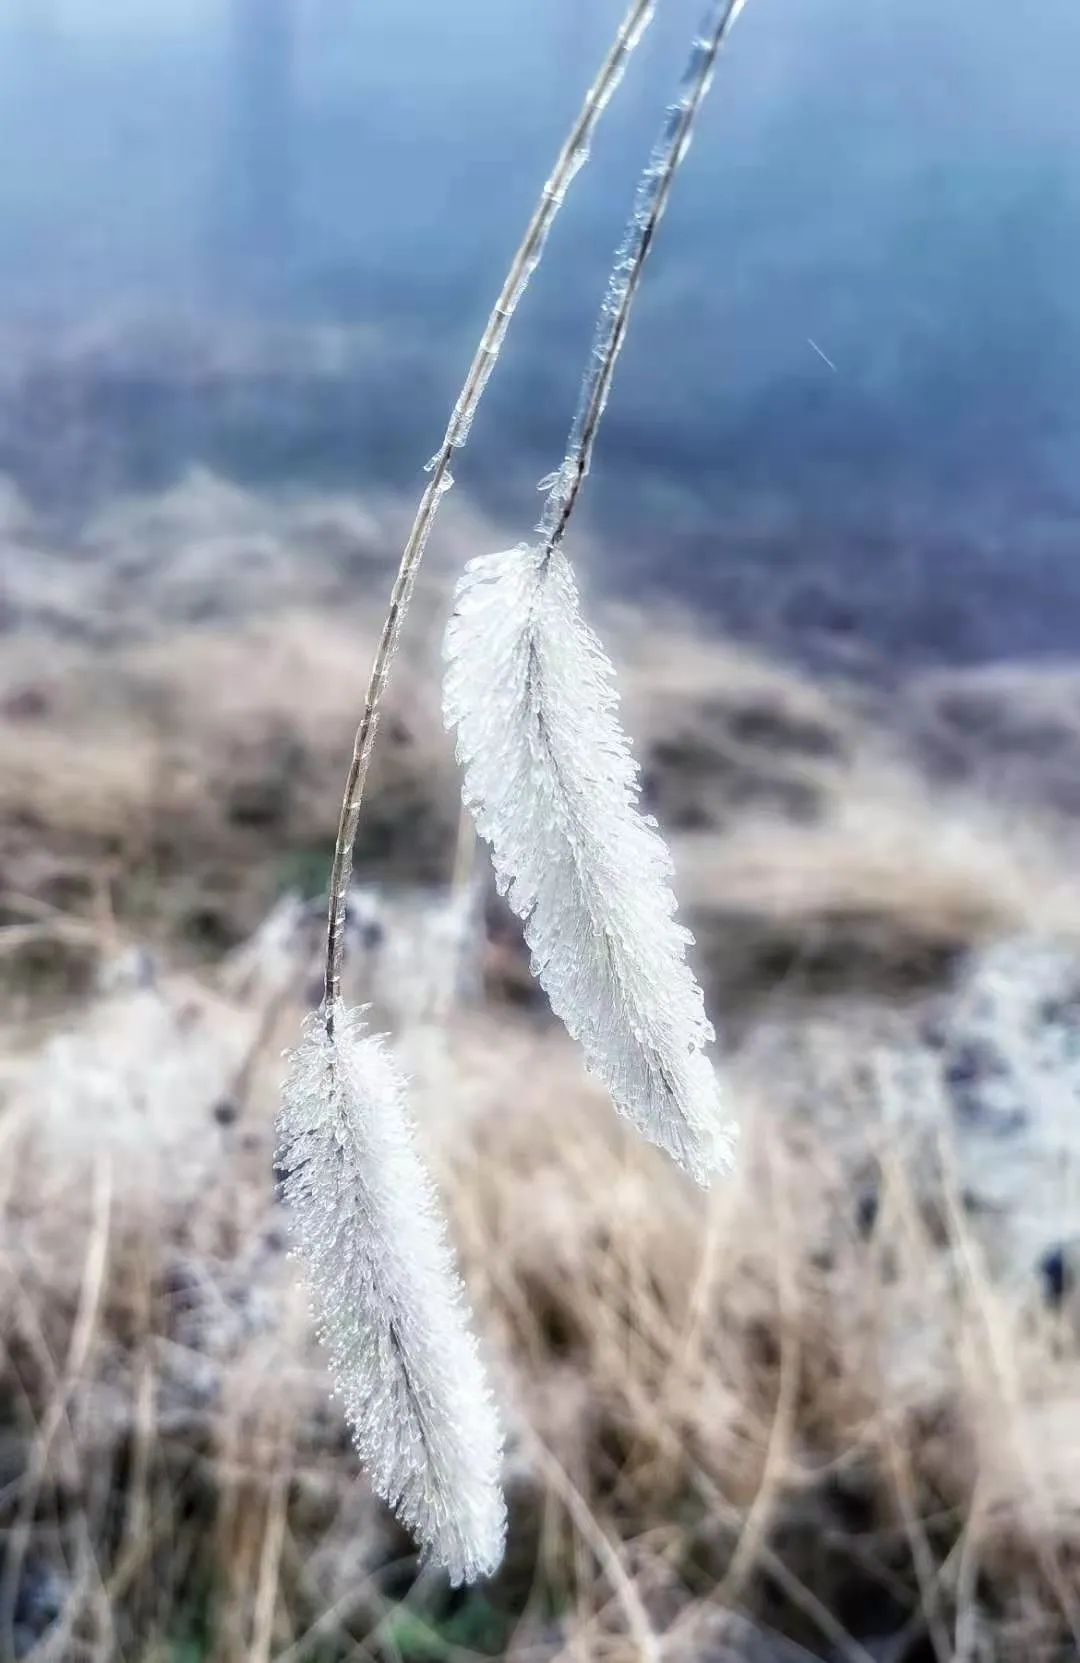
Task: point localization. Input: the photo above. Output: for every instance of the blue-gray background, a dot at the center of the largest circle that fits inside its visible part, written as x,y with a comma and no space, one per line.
897,185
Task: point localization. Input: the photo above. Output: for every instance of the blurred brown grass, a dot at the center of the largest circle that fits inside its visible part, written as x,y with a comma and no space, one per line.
827,1411
747,1415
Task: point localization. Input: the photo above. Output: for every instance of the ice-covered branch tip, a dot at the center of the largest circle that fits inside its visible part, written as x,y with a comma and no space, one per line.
389,1303
554,789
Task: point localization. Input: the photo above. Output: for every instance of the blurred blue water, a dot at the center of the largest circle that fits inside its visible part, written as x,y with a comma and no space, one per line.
850,402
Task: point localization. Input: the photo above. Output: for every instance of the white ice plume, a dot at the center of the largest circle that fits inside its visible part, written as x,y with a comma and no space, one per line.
553,787
389,1302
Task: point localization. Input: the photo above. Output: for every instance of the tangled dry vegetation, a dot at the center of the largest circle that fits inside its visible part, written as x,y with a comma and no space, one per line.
827,1411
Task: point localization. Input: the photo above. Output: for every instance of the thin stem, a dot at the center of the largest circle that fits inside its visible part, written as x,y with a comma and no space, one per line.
571,157
650,200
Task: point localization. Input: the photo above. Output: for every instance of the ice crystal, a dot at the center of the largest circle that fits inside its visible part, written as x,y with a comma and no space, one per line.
389,1303
553,787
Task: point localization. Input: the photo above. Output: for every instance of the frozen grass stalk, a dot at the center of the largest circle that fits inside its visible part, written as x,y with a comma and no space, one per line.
390,1307
548,771
571,158
651,198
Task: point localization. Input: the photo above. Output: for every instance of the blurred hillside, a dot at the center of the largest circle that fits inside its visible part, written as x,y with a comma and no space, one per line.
827,1413
181,679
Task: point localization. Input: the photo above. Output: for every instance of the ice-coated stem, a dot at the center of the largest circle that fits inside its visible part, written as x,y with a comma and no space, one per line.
650,200
571,157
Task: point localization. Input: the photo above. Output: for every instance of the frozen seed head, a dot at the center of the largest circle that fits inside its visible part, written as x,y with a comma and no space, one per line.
389,1304
553,787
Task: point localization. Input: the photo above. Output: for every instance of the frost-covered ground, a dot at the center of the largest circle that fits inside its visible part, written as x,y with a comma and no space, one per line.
830,1412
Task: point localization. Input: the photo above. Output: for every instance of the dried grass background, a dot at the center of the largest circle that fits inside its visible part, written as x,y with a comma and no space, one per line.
828,1411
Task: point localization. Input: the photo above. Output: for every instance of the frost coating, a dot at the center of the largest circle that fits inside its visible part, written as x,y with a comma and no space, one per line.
650,200
389,1302
553,788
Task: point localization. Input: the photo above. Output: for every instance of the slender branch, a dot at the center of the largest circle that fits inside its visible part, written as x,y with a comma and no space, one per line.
572,156
650,200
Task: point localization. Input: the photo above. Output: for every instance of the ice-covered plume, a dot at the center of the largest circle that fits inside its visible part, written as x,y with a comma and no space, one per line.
389,1303
553,787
